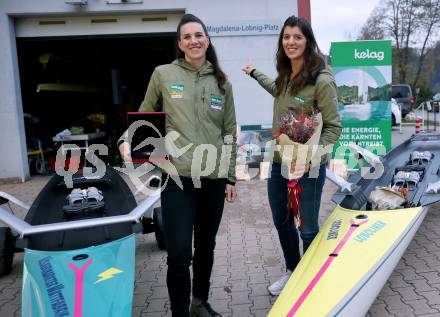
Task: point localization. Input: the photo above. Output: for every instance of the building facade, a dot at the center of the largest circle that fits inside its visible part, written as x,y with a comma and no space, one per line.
31,31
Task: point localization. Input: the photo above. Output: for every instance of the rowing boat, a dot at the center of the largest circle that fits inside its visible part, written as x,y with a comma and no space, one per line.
358,247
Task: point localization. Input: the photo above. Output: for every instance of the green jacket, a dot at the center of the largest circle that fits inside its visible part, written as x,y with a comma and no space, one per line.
323,92
197,110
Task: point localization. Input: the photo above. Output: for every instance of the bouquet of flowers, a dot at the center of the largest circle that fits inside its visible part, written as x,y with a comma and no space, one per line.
297,139
298,129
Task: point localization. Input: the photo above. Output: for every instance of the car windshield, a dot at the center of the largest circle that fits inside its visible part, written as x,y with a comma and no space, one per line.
399,92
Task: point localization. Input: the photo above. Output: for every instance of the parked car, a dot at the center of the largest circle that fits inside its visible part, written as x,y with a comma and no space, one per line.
402,93
396,115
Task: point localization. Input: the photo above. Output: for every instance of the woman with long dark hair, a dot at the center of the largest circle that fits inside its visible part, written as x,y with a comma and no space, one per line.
199,106
304,85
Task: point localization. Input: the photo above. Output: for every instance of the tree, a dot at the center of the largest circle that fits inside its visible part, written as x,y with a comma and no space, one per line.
411,25
374,28
400,24
429,22
432,66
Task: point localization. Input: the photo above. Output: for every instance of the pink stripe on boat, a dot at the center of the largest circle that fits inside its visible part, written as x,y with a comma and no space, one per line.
331,258
79,287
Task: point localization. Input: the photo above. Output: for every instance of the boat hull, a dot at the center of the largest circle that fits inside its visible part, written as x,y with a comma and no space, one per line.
93,281
345,282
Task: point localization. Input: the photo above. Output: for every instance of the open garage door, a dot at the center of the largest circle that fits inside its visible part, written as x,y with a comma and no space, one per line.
86,82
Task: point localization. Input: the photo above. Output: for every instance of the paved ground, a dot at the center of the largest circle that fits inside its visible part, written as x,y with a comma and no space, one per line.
249,258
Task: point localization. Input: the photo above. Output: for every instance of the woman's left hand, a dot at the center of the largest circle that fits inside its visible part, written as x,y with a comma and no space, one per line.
230,193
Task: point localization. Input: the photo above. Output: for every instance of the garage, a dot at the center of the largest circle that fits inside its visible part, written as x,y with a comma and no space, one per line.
85,83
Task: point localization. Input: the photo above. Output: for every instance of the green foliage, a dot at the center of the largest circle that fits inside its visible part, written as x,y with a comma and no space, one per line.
425,93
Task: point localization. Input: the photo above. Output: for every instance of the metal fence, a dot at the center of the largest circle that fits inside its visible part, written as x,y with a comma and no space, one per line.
428,112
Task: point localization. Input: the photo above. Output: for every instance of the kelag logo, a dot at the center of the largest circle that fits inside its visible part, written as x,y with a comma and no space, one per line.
368,55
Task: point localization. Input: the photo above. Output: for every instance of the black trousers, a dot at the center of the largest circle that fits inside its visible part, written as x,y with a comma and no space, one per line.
184,211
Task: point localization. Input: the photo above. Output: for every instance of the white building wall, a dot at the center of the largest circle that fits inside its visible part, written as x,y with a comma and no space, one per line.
253,104
13,157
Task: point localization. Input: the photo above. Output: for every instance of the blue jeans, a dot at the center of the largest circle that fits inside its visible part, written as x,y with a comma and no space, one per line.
309,202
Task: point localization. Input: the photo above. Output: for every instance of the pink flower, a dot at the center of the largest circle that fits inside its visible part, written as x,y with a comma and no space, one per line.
298,128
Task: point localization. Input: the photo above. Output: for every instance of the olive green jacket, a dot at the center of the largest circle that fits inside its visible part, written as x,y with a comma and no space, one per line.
197,110
322,94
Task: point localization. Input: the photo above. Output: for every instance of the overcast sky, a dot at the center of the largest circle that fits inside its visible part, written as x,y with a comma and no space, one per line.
337,20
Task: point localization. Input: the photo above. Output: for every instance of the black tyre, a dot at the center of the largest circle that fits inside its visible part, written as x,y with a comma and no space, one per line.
148,225
40,167
158,232
7,248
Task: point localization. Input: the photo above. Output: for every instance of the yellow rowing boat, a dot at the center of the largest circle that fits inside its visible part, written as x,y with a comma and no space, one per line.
358,247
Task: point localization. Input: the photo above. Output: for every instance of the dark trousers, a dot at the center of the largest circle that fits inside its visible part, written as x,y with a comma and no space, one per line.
198,209
309,202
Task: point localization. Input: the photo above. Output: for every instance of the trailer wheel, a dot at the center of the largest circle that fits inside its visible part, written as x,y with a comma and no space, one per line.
6,250
158,232
147,225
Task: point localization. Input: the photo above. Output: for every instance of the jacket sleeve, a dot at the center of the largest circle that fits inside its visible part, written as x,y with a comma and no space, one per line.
153,98
265,81
230,128
152,101
326,98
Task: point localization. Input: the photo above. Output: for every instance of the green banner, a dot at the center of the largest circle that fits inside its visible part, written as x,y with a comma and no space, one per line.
361,53
363,75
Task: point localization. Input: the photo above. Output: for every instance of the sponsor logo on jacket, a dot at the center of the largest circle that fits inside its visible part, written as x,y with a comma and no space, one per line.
176,91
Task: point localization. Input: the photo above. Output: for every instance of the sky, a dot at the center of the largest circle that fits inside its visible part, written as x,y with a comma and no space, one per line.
338,20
